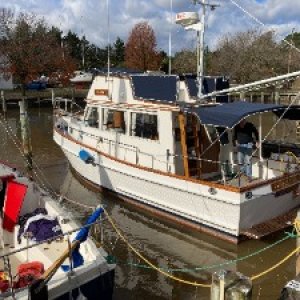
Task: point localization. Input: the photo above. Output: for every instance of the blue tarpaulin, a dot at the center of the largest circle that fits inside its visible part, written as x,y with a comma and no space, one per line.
82,236
229,114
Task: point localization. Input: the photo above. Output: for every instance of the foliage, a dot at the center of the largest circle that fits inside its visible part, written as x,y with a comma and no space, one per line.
292,55
248,56
118,53
294,38
31,49
140,49
185,61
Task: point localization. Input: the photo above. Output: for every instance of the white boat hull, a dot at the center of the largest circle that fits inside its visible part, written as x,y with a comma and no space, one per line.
223,210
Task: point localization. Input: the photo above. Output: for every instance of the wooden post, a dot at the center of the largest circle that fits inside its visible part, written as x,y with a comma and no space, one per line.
242,96
230,285
4,107
25,133
262,97
277,98
53,97
73,99
298,244
298,128
181,119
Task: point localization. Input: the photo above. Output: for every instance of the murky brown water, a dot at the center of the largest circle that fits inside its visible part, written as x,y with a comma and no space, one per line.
166,245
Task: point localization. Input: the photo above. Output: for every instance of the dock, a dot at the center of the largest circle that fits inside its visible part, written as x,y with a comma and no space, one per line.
41,97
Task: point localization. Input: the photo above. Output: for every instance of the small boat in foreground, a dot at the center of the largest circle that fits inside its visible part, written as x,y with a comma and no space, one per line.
36,236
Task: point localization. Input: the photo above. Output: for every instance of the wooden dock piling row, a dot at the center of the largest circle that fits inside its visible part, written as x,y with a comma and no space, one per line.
275,97
9,97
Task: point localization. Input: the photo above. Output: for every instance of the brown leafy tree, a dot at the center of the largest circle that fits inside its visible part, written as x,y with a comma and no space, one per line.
140,49
29,49
248,56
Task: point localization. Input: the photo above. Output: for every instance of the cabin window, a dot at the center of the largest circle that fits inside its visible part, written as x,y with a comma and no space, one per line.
144,126
92,117
114,120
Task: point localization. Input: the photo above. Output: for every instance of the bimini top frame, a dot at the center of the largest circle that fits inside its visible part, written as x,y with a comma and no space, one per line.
229,114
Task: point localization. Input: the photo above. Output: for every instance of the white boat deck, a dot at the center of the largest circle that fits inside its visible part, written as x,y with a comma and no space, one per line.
47,253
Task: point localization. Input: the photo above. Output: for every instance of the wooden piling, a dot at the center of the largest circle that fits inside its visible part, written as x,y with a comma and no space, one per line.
277,98
298,129
292,288
230,286
27,149
4,106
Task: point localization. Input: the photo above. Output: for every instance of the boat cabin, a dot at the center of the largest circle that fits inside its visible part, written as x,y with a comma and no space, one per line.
154,122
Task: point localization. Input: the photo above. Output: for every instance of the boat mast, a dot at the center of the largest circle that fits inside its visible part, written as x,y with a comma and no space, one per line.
170,38
108,47
200,46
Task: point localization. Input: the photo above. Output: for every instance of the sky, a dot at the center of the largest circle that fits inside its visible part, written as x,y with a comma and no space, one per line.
89,18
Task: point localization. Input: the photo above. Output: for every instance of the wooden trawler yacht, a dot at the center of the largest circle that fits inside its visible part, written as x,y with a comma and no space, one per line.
145,138
35,246
158,142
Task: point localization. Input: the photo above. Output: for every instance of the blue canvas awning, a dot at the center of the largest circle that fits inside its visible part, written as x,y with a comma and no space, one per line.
229,114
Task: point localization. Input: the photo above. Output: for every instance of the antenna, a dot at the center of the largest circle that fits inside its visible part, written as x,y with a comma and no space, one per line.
170,38
108,47
191,21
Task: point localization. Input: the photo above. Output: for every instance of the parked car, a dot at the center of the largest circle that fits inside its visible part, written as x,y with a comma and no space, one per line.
36,85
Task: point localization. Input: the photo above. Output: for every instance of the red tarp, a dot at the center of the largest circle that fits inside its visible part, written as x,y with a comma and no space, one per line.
15,193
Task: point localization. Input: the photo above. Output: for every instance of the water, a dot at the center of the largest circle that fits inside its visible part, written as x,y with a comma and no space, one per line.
165,244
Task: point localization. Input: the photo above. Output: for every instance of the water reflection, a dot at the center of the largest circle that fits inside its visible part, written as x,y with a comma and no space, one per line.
165,244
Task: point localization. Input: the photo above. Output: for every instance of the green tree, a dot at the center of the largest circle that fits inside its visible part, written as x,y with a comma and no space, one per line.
118,52
73,44
292,54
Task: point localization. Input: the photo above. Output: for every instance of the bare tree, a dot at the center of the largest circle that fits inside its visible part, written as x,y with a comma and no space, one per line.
140,49
185,61
30,49
248,56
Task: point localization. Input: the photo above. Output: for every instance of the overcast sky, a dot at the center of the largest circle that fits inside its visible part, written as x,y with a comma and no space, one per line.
89,17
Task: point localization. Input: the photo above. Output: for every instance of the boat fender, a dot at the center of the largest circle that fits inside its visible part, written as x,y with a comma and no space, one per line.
86,157
4,282
28,273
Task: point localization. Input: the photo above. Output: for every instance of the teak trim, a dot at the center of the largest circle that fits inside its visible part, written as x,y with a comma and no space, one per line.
199,181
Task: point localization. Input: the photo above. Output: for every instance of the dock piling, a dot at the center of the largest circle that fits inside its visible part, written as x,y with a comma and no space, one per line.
4,107
230,285
27,149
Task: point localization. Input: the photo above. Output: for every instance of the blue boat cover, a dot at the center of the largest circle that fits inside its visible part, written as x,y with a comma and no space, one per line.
229,114
155,88
210,84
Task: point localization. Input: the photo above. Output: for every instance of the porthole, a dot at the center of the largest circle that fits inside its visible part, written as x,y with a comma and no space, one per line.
212,191
248,195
